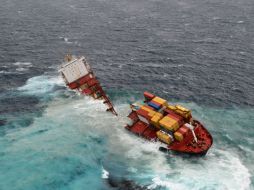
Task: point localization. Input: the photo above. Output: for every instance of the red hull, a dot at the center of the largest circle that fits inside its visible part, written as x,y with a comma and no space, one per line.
188,145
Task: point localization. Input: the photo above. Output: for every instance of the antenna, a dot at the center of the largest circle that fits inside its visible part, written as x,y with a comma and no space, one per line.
68,57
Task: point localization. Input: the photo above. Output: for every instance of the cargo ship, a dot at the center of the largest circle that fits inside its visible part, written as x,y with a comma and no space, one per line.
154,119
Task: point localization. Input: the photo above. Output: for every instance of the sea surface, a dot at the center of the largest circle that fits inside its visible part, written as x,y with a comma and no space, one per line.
199,53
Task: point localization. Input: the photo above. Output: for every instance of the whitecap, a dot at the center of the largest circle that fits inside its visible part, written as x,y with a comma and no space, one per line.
26,64
21,69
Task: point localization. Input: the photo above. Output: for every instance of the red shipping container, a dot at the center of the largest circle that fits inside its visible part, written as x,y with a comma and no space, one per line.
178,118
148,96
73,85
143,113
85,79
183,130
92,82
87,91
168,111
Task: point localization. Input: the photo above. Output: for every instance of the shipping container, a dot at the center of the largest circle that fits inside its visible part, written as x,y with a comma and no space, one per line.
87,91
178,136
156,118
171,107
147,108
92,82
154,105
160,101
169,123
181,133
85,79
143,113
164,137
178,118
184,112
148,96
73,85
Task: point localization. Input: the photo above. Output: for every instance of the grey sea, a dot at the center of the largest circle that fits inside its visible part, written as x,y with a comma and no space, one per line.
199,53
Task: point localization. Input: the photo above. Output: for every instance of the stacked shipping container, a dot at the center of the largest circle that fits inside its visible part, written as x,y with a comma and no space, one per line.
167,119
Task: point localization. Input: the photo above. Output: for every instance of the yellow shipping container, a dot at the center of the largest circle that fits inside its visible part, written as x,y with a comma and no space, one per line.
178,136
156,118
149,110
164,137
169,123
171,107
183,109
160,101
146,108
151,113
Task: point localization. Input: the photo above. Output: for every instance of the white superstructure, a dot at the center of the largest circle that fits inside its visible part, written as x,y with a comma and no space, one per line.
74,69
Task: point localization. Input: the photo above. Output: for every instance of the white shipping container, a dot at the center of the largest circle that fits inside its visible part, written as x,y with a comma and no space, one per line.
74,70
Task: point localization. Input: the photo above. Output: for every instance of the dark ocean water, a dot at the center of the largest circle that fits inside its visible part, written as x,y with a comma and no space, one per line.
197,53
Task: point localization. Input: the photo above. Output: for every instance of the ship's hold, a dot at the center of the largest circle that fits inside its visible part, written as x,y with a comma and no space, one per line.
164,137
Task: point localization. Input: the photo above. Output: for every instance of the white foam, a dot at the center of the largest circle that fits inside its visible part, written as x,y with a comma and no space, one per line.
41,85
27,64
157,182
221,170
104,174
